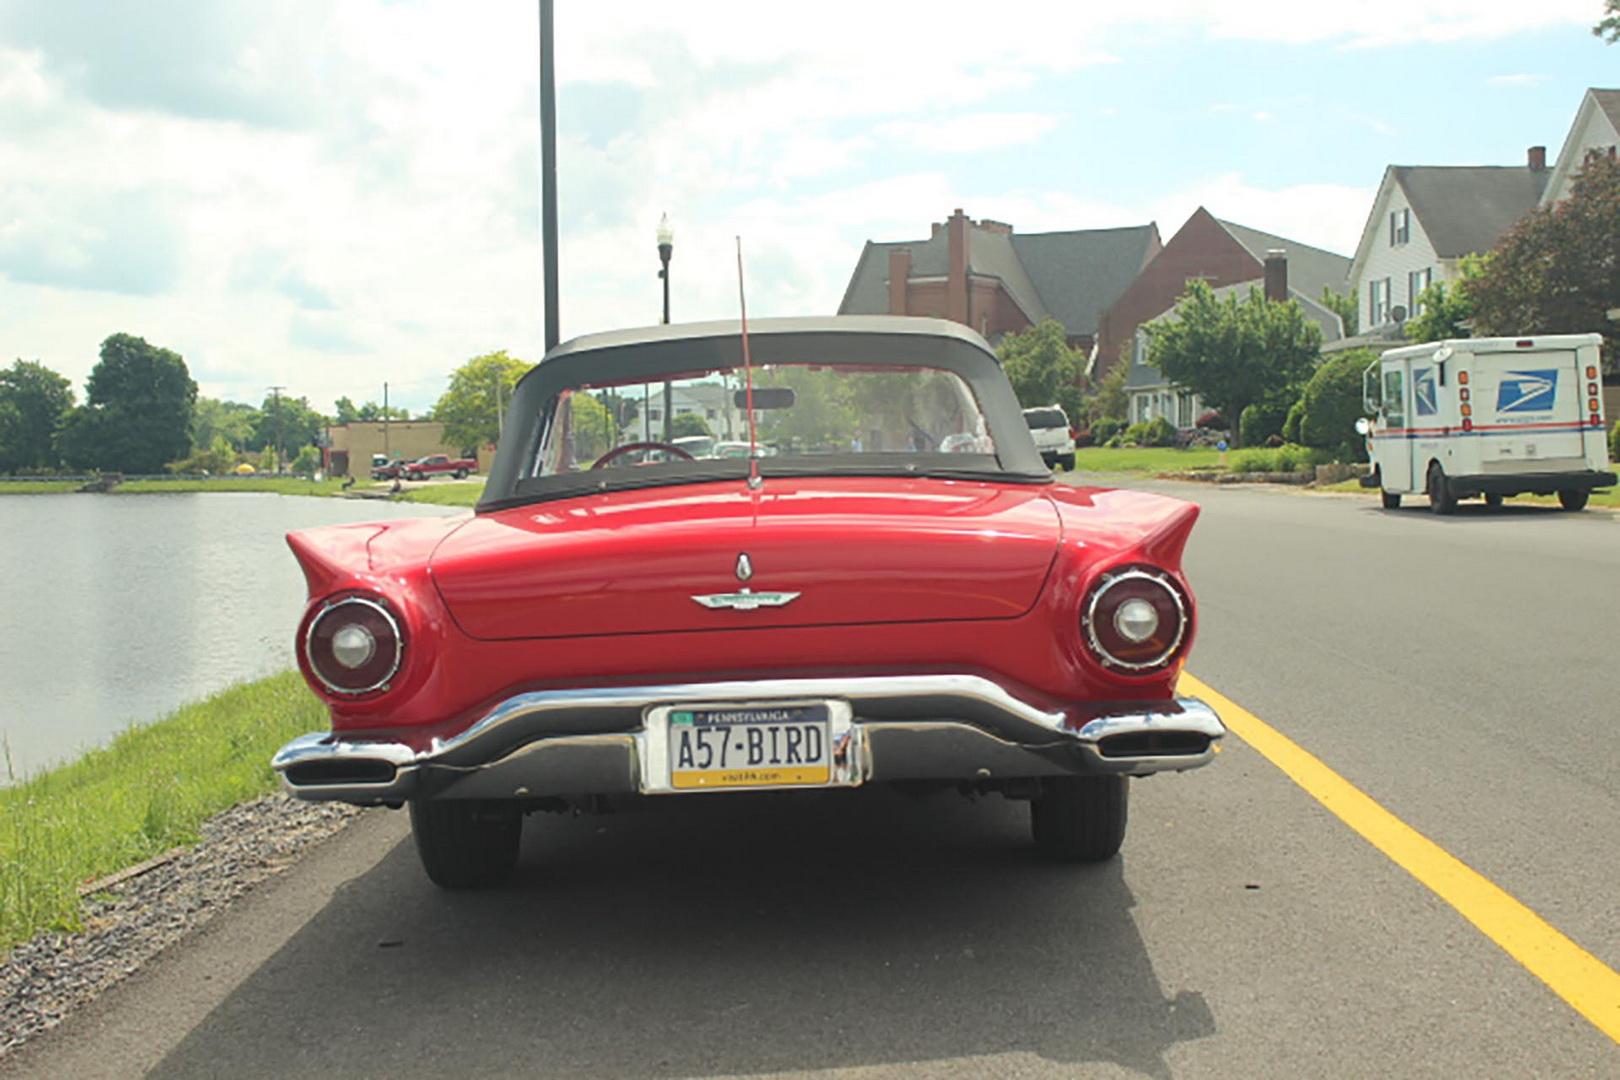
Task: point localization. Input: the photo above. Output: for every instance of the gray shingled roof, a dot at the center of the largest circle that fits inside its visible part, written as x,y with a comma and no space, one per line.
1467,208
1309,268
1072,276
1609,102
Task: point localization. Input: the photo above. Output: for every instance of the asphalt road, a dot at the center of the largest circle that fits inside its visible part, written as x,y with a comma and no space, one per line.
1460,671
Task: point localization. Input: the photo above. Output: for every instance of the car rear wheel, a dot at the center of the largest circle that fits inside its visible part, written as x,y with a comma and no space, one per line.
1573,500
461,474
1441,499
465,844
1067,461
1493,501
1080,818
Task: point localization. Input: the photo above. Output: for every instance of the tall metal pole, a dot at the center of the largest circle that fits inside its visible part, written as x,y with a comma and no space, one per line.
388,457
666,248
275,396
548,171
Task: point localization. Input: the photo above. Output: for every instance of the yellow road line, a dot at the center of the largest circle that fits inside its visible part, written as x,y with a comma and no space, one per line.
1591,987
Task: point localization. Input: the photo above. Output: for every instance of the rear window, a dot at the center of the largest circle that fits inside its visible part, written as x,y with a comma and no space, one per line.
1039,419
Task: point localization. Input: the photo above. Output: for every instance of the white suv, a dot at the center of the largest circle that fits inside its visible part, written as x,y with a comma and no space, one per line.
1053,438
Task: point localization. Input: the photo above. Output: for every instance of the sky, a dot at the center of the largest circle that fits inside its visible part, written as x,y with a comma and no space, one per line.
328,195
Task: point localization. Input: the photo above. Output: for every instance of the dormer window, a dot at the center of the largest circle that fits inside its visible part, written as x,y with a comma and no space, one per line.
1400,226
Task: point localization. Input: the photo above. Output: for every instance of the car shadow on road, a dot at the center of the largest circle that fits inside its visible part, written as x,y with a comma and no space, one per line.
716,935
1478,511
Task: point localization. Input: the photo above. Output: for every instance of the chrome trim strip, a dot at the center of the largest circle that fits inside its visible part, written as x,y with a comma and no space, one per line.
921,705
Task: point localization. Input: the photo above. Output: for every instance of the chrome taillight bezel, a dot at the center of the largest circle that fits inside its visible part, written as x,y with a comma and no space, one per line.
330,609
1113,579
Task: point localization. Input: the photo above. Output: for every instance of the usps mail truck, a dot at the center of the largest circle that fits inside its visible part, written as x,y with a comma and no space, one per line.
1489,417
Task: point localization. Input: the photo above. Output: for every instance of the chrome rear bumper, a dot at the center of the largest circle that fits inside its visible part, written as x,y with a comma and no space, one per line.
916,727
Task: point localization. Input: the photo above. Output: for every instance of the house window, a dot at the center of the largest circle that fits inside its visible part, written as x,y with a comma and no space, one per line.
655,414
1400,226
1378,302
1185,412
1416,282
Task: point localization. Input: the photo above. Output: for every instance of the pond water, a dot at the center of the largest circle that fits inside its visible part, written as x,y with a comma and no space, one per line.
114,610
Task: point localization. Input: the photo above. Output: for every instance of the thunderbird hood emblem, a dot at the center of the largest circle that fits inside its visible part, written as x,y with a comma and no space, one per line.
745,599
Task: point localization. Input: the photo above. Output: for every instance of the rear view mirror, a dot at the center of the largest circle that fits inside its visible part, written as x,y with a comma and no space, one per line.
1363,426
766,397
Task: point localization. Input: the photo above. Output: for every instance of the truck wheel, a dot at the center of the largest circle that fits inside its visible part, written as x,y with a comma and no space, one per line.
465,844
461,474
1441,500
1080,818
413,476
1573,500
1067,461
1493,501
1392,499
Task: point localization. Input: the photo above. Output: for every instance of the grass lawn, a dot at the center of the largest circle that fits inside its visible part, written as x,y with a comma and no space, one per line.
279,485
457,494
142,794
1145,459
39,487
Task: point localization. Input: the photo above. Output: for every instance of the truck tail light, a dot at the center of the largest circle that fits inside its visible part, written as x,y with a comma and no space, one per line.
353,645
1592,405
1462,395
1591,388
1135,620
1467,410
1591,372
1462,378
1525,343
1468,425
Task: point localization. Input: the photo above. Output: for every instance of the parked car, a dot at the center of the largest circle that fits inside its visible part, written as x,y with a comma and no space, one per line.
1489,417
1054,438
387,470
590,636
440,465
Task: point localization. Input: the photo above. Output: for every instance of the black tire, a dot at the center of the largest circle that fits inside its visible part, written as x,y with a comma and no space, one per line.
461,474
1441,499
1493,500
1067,461
465,844
1080,818
413,476
1391,499
1573,500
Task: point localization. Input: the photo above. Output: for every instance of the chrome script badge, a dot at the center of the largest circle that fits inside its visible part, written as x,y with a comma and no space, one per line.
746,599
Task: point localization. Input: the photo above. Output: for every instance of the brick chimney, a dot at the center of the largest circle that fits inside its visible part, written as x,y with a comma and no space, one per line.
956,283
1537,158
1277,275
899,273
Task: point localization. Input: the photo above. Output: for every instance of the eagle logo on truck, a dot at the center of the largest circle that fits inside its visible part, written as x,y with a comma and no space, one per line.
1527,391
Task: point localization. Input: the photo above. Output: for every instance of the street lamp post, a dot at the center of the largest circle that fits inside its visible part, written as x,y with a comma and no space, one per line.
666,248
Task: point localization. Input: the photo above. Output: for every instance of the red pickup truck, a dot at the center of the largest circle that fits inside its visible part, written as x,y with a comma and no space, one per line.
437,464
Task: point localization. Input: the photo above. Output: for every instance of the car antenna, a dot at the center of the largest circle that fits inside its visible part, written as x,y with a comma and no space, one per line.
754,482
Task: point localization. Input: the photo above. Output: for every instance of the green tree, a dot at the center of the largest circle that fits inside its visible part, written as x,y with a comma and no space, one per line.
1448,311
1346,307
1558,270
347,412
33,402
285,425
1331,404
824,408
1609,28
1042,368
1110,402
1235,352
137,412
468,408
688,424
592,426
233,421
216,458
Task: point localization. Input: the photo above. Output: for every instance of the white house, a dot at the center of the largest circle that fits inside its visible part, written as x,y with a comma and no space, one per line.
1596,127
1426,218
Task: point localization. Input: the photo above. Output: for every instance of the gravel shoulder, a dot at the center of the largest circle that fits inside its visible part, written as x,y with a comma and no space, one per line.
49,978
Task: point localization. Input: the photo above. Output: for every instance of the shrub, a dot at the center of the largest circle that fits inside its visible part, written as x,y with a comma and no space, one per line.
1083,437
1285,458
1136,434
1332,403
1105,428
1212,420
1160,432
1261,421
1296,413
307,462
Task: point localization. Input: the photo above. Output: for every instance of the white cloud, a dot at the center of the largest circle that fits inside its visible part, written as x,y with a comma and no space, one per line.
330,195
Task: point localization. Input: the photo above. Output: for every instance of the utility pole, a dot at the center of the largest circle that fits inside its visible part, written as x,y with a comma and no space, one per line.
275,397
387,457
548,172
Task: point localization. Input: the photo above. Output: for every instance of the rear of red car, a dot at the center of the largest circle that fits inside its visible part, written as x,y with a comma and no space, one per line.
826,616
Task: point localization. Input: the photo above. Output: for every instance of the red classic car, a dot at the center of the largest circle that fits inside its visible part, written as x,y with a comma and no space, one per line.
897,593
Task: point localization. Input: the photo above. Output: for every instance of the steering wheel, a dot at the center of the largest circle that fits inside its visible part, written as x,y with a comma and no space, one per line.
617,451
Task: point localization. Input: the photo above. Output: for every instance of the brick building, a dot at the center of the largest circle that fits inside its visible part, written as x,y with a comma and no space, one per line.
985,275
1221,253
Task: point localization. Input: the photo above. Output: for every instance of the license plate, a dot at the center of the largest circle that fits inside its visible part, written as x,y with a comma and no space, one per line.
721,746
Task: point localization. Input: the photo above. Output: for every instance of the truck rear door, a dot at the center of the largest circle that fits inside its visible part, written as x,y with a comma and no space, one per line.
1527,409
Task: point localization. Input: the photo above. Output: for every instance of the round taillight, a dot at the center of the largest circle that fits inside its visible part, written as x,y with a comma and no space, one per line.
1135,619
353,645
